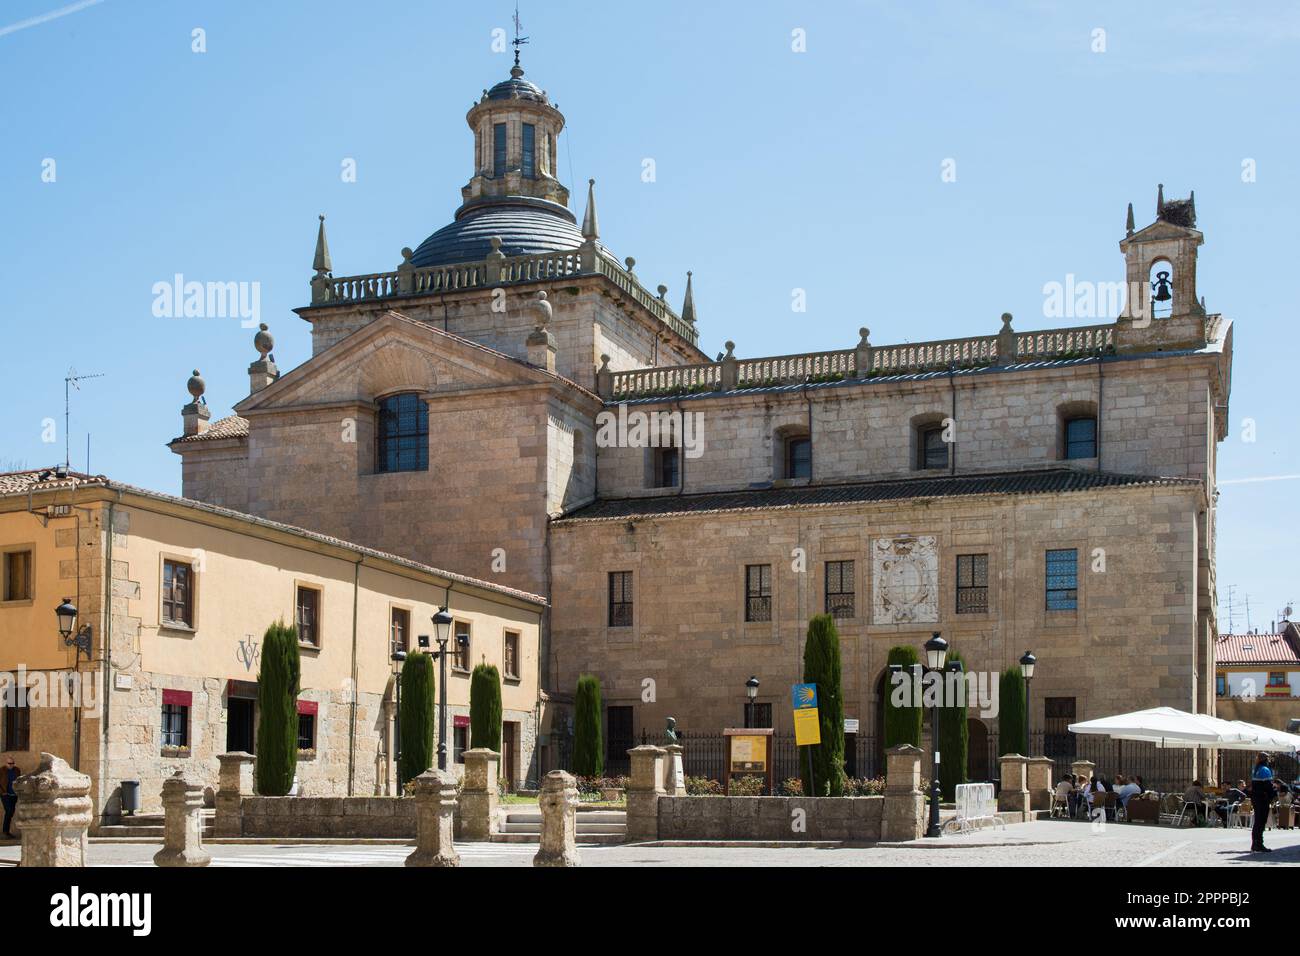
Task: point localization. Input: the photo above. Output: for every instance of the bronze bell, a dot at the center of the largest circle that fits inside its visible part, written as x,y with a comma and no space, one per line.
1161,286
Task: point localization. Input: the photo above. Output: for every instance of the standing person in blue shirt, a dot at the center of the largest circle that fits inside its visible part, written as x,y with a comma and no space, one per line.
8,774
1261,795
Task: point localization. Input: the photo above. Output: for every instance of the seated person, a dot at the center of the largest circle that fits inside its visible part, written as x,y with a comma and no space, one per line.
1065,793
1126,790
1195,795
1233,798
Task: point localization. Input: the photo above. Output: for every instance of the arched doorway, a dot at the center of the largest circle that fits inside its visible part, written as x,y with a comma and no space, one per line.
978,769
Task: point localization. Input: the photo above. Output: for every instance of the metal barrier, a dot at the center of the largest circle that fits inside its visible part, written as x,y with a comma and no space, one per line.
976,806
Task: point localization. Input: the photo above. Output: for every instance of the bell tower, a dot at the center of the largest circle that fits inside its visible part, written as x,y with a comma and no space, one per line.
1160,262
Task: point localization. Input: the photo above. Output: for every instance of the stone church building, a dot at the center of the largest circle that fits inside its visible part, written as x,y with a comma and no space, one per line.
1050,490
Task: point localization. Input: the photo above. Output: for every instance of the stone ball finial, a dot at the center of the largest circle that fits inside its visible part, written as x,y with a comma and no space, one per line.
263,341
495,242
196,386
542,309
663,290
1006,322
731,349
407,253
630,263
604,363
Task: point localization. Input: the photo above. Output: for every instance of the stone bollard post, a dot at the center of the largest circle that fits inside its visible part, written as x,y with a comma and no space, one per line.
559,803
1038,772
182,799
479,796
434,793
435,825
1083,770
234,782
53,814
903,817
1013,797
645,786
674,776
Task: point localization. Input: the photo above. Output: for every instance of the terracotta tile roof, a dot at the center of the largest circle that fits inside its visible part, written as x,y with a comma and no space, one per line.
1255,649
44,479
232,426
1039,481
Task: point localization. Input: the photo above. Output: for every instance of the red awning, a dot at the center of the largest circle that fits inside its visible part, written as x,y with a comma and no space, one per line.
459,721
308,707
178,697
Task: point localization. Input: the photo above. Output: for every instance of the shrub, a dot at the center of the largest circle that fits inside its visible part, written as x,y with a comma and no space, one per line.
821,666
277,699
417,716
792,787
864,786
954,742
902,723
485,707
703,787
1011,716
748,786
588,751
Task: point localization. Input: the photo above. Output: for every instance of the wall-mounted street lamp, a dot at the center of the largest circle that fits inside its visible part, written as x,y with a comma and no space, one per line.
67,615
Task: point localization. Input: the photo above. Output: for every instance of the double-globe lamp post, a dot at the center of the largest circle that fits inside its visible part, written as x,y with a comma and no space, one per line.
442,630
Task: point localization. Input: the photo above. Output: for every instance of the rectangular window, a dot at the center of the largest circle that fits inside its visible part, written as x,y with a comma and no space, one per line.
459,743
1276,679
1063,579
933,449
18,576
758,715
499,150
460,660
399,630
758,592
308,616
178,594
839,590
618,735
510,661
667,467
1221,685
798,458
1081,438
17,728
176,718
1058,714
530,141
402,435
972,583
620,599
306,725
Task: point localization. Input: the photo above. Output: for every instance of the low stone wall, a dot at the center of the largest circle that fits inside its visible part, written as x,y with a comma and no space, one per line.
856,819
355,817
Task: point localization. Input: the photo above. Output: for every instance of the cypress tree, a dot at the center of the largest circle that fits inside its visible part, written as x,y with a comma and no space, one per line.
416,717
902,723
1011,712
485,707
588,753
277,701
954,740
821,666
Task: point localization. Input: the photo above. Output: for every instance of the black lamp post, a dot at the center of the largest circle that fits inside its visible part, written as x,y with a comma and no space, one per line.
442,632
936,653
751,691
398,659
1027,663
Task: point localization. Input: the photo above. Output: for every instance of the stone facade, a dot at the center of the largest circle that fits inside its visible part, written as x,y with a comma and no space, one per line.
785,819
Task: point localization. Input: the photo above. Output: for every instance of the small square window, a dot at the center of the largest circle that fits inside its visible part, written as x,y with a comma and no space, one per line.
17,576
306,731
1081,438
308,616
175,725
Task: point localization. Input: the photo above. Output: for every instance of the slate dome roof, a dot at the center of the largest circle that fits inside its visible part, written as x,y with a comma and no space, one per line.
526,227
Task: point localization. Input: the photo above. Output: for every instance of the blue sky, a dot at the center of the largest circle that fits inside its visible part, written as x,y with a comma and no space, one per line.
775,170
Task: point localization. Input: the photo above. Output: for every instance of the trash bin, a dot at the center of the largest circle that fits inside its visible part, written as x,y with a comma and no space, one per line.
130,796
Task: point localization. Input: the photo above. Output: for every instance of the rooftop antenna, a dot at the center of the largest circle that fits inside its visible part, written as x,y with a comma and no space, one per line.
518,41
71,379
1248,612
1232,593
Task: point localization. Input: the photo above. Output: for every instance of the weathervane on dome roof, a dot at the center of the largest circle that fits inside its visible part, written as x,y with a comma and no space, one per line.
518,41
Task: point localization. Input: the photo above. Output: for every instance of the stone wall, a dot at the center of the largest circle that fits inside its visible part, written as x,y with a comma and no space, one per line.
325,817
852,819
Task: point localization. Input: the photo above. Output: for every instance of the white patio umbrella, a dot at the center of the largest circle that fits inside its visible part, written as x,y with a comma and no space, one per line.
1163,726
1266,738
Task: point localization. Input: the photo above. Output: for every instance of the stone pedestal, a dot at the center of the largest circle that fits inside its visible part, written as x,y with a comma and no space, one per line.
903,817
645,786
478,796
1083,770
53,814
435,804
234,782
1013,797
674,775
1038,772
559,803
182,799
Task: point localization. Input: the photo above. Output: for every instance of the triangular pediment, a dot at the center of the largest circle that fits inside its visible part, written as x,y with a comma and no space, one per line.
1161,231
391,354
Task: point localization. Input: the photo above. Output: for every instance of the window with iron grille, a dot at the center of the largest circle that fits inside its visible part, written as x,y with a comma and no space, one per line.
18,576
933,450
620,599
530,140
308,616
399,628
618,734
17,728
1058,714
175,725
510,662
972,583
667,463
798,458
758,715
499,150
306,731
1081,438
402,436
758,592
839,588
460,660
177,594
1063,579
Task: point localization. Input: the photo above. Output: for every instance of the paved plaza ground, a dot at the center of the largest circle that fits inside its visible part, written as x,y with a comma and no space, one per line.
1045,843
